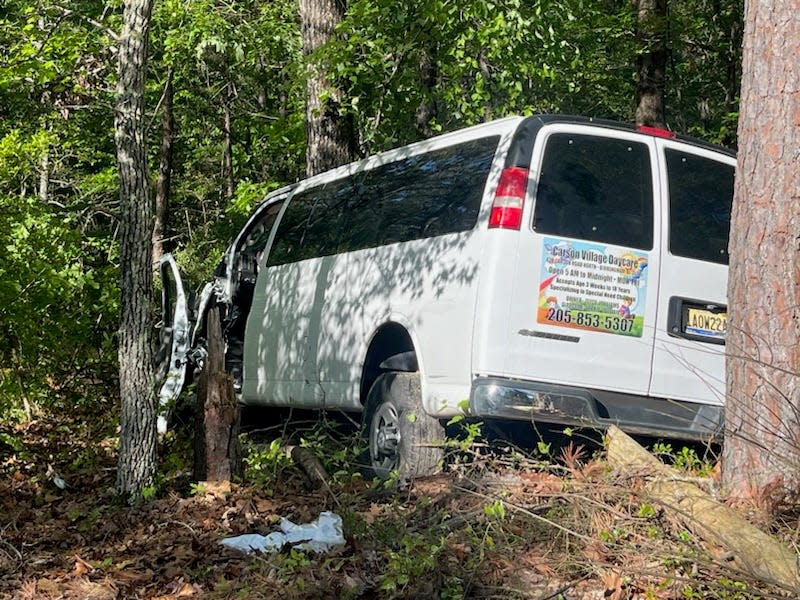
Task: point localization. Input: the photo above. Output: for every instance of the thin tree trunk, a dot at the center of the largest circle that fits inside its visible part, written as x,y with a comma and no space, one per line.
44,177
652,63
137,446
164,172
762,418
227,152
330,138
19,370
426,112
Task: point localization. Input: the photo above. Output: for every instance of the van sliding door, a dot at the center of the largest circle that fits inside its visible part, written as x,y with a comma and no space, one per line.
583,305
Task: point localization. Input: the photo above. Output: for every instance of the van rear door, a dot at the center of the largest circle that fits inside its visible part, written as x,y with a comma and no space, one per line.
688,360
583,300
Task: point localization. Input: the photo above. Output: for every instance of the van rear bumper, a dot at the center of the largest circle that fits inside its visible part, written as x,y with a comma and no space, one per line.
494,397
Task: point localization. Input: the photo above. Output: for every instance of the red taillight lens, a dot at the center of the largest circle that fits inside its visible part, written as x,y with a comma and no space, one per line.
656,131
509,199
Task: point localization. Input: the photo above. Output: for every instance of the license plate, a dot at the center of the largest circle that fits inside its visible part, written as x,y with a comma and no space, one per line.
705,323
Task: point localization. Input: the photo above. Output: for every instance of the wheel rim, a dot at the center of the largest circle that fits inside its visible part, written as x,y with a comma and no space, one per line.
384,440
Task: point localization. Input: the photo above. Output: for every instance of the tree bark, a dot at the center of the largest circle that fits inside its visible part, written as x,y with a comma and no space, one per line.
164,172
330,137
651,63
137,447
217,455
44,177
426,112
227,151
762,417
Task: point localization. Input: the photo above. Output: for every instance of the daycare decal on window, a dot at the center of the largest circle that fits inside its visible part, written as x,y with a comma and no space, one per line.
592,286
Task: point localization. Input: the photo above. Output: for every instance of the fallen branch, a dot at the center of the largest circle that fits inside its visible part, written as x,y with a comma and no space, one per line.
312,467
752,550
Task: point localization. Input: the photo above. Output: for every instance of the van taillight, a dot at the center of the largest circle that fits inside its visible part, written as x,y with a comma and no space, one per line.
657,131
509,199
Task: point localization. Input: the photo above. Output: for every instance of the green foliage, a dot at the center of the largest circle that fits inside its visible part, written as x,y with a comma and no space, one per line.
338,451
263,464
57,290
703,83
495,510
412,69
685,459
56,309
243,58
412,556
409,70
197,489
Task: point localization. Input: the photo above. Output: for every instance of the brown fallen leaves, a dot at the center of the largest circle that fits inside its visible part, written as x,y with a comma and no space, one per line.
573,536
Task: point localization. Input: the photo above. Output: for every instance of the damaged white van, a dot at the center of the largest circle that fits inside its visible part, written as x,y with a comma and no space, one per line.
554,269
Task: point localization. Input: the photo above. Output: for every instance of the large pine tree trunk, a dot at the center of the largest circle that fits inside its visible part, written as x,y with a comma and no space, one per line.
330,137
762,416
652,63
137,448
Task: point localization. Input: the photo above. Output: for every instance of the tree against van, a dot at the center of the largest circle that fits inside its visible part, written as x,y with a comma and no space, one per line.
762,417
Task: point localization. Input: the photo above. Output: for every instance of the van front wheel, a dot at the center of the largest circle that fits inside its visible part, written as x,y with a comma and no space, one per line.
402,437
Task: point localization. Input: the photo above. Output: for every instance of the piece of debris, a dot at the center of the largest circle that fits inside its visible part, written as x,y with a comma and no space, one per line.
57,480
321,535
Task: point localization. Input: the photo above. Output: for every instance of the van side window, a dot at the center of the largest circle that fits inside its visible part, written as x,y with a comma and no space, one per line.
289,236
596,188
700,198
257,237
422,196
255,241
311,225
324,225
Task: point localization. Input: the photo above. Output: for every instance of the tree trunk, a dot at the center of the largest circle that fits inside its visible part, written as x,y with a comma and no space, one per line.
426,112
44,177
227,152
652,63
137,446
762,417
217,456
753,551
164,172
330,138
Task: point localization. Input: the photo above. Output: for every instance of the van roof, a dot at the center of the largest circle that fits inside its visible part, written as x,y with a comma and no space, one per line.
524,128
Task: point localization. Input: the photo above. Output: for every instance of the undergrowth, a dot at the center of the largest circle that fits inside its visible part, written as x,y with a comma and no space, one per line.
547,518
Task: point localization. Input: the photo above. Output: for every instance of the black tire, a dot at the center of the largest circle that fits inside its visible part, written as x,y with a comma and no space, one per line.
402,438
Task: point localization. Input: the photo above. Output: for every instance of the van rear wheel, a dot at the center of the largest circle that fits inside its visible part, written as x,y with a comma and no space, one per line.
402,438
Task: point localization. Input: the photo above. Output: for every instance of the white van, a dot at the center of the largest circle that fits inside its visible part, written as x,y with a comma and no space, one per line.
555,269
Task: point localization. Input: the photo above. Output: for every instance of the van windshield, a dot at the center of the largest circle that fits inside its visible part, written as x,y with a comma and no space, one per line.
596,188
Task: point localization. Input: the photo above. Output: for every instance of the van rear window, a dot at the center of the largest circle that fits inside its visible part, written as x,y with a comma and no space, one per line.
700,198
596,188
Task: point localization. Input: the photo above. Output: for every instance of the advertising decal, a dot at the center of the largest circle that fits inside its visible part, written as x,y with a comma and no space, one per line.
591,286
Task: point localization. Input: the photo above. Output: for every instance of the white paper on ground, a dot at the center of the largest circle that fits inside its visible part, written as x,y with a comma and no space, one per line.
321,535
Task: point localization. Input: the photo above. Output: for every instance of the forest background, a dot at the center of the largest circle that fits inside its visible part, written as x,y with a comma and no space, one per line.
226,84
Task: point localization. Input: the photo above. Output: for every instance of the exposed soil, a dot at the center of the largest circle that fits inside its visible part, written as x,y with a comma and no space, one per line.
492,530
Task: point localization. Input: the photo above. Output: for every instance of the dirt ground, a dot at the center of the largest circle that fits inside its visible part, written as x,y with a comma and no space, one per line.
491,530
